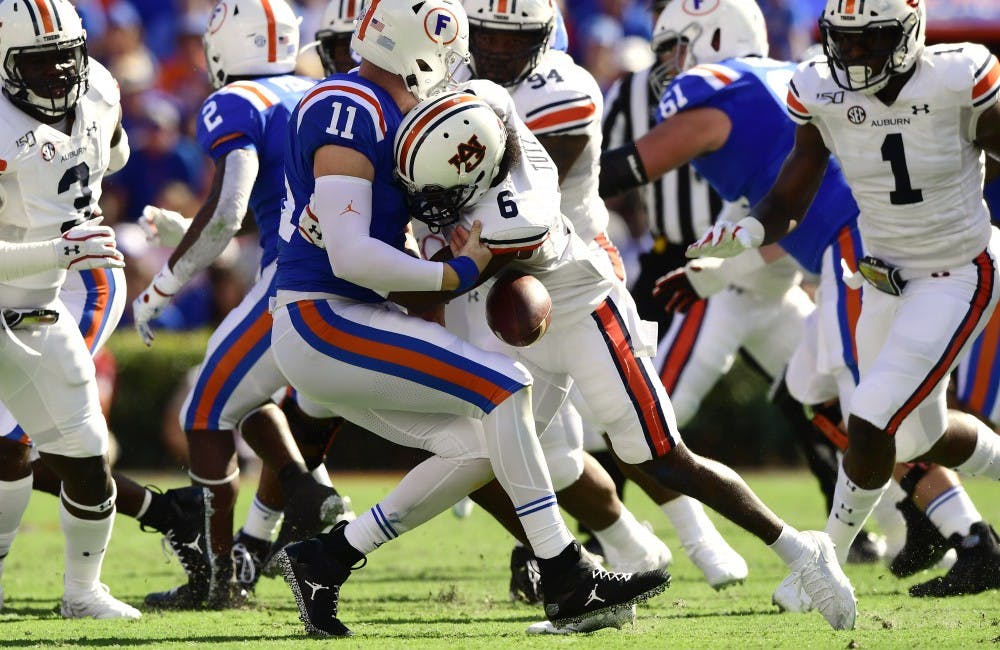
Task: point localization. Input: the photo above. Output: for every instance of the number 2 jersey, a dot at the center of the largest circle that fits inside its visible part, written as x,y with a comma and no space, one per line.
50,180
751,92
253,114
912,166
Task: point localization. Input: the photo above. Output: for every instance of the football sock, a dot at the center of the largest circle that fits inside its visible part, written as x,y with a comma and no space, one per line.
689,519
14,496
427,490
86,543
622,534
517,460
262,522
789,546
852,506
890,520
952,512
985,458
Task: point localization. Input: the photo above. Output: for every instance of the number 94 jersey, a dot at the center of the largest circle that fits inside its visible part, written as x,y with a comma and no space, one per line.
912,166
49,178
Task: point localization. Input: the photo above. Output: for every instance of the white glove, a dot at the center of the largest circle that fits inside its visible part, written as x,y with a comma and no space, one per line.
152,301
88,246
163,227
726,239
310,229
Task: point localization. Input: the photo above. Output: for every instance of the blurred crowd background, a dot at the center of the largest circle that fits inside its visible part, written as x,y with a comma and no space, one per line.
154,49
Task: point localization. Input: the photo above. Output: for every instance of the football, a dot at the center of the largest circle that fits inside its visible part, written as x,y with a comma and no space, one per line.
518,308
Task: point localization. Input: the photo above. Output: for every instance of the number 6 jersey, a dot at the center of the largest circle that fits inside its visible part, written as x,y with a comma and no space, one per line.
49,178
912,166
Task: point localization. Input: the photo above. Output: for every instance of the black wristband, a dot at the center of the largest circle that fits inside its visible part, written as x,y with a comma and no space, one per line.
621,170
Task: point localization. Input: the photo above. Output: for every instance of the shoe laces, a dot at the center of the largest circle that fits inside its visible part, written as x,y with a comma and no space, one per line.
608,576
244,563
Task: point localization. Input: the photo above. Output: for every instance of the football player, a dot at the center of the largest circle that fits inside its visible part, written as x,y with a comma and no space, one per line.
62,124
344,347
251,48
596,340
930,269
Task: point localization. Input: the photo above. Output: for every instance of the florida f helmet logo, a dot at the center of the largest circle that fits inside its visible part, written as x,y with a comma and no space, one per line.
441,26
469,154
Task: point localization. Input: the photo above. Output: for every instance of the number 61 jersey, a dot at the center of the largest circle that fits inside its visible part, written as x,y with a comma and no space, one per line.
48,178
912,166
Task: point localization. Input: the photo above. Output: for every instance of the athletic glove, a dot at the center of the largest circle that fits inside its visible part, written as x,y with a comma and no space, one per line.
726,239
88,246
151,302
676,288
163,227
310,229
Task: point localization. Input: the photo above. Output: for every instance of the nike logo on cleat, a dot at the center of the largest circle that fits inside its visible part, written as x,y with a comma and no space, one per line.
593,596
315,586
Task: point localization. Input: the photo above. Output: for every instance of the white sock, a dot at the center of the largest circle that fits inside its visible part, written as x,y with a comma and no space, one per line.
952,512
852,506
622,534
689,519
985,458
321,475
262,522
890,520
86,543
14,496
517,460
426,491
789,546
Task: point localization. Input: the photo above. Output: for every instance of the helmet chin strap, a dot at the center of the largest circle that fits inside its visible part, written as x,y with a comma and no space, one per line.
861,74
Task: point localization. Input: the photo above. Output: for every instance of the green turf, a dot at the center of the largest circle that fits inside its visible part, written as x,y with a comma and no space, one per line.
446,585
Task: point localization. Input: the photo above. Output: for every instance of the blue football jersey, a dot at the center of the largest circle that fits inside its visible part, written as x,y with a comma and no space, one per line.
751,91
253,114
348,111
991,192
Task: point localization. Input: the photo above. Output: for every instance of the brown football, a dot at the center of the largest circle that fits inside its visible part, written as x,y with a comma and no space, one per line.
518,308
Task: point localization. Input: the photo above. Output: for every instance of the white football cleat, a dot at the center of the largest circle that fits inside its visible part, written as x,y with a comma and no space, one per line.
648,553
721,565
97,603
463,508
615,619
824,581
789,596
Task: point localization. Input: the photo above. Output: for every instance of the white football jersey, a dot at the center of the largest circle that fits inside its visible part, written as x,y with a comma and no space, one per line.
912,166
48,178
561,98
522,213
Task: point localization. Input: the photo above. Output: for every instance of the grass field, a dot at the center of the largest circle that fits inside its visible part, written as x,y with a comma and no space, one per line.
446,585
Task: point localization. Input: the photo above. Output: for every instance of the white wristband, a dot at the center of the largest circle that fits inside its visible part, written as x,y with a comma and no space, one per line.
165,282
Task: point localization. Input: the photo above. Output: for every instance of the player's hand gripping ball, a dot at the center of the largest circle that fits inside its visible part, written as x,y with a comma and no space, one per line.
518,308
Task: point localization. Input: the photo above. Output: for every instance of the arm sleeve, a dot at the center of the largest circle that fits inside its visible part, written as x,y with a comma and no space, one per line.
19,260
234,196
343,207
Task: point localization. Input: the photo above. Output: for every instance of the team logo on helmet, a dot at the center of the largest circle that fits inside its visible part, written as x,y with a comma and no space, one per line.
441,26
218,17
700,7
469,153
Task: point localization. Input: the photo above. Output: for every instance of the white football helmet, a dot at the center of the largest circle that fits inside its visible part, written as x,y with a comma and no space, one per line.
712,31
860,36
254,38
422,42
334,36
43,50
448,151
507,39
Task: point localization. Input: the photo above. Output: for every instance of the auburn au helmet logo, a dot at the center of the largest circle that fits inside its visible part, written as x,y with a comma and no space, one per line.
469,153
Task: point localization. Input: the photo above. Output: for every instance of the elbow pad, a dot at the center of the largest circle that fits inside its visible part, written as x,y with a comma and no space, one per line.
621,170
119,153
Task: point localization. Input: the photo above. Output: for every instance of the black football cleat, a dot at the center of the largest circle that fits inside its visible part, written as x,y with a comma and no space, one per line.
315,576
864,549
525,577
184,523
190,595
581,590
925,545
309,510
976,570
249,553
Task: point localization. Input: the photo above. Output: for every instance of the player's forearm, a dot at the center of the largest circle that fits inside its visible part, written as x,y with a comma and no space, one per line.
19,260
621,170
220,218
